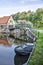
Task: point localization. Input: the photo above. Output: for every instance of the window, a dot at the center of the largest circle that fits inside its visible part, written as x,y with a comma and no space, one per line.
10,26
11,21
1,26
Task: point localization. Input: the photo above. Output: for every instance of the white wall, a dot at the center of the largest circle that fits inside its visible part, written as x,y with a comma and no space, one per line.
11,22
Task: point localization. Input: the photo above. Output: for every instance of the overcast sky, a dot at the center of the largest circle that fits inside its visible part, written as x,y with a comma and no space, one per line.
8,7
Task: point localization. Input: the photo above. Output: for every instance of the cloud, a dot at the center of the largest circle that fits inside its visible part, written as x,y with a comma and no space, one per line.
12,10
19,6
24,1
29,0
34,0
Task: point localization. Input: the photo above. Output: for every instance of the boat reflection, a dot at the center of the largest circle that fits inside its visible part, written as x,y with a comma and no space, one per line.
20,60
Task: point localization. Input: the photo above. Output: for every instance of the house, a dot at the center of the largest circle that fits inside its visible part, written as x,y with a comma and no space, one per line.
21,21
6,23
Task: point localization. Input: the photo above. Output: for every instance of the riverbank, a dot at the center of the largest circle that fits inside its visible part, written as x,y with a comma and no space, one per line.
41,28
37,58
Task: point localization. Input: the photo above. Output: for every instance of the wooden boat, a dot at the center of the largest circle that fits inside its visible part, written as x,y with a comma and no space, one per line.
24,49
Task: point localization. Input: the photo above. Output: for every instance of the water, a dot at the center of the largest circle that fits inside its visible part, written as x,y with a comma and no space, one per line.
8,55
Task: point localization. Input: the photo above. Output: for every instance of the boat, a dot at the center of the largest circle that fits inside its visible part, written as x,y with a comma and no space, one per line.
24,49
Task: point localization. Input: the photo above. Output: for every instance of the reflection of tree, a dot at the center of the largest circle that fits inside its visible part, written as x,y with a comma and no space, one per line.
19,60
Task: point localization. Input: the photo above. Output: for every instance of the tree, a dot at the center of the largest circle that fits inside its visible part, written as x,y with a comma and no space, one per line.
16,16
35,17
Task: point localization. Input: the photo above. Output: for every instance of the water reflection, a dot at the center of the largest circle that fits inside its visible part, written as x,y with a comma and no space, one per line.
7,53
9,57
20,60
8,40
4,42
19,41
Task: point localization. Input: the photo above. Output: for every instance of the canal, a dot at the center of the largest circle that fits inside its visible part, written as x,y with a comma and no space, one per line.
7,52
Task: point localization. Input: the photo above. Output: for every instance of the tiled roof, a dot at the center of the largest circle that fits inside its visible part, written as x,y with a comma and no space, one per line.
4,19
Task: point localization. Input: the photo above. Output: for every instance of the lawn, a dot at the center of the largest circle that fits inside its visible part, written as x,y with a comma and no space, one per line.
41,28
37,57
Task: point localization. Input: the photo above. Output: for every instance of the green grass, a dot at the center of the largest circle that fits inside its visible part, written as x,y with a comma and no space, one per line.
37,57
41,28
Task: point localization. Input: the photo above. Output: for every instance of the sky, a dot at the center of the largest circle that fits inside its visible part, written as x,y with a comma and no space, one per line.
8,7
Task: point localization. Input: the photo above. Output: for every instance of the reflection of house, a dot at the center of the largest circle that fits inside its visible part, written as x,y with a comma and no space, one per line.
4,42
6,22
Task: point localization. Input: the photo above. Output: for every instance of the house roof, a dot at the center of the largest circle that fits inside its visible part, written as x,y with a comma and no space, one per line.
4,19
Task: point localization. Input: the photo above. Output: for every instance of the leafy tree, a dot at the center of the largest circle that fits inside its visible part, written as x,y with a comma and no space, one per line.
35,17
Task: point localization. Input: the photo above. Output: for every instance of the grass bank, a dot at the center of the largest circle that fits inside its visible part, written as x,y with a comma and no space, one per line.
41,28
37,57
